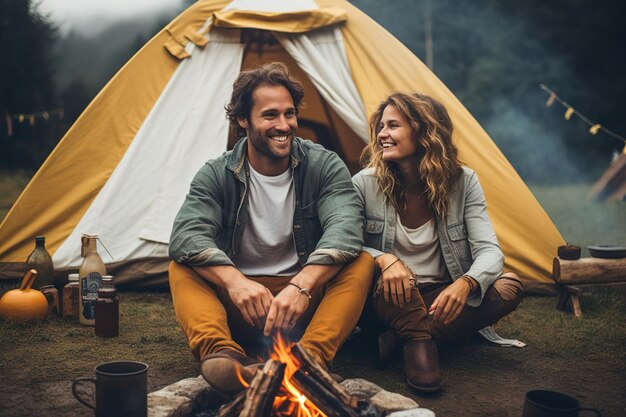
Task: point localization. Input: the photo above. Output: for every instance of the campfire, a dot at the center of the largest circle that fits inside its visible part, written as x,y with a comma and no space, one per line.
293,384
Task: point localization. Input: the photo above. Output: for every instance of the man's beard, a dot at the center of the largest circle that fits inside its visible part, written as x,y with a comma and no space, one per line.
263,144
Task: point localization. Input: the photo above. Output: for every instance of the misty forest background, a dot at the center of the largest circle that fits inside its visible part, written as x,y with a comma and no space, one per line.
492,54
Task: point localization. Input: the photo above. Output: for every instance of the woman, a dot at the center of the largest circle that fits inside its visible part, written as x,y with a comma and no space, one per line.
426,225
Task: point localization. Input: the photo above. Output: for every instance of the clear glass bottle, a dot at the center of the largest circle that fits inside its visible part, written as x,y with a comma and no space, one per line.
90,277
107,309
41,261
71,296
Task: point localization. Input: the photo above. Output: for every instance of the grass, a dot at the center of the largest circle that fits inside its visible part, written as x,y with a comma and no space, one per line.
582,357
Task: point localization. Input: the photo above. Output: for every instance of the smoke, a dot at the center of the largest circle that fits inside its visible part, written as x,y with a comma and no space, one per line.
493,55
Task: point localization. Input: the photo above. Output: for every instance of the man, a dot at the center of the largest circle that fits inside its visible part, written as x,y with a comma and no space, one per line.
268,239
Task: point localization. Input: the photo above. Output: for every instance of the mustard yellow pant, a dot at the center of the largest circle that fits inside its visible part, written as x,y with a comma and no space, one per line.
212,322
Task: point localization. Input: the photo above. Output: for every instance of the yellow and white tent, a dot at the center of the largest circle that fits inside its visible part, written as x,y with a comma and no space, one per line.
124,167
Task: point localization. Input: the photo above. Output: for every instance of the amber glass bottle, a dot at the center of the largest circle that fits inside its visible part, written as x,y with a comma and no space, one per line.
40,260
90,277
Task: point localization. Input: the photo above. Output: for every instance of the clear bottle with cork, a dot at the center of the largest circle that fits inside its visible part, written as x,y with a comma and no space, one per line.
41,261
107,309
90,278
71,296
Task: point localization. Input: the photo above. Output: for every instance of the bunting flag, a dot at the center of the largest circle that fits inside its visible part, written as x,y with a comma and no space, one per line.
570,111
31,118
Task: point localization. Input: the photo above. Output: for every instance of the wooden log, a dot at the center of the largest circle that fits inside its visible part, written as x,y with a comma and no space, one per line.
310,366
321,396
262,390
233,408
589,271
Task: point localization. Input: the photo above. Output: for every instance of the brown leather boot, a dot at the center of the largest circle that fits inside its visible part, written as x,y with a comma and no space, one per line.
389,344
221,371
421,365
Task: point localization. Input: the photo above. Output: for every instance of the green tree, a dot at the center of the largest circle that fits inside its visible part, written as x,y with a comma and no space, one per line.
26,69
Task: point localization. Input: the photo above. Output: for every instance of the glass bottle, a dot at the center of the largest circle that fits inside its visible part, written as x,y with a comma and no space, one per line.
90,277
107,309
71,296
40,260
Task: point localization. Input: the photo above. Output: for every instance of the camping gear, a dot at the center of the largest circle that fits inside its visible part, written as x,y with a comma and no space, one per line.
612,184
71,296
569,252
121,389
24,303
544,403
607,251
52,296
162,117
90,277
107,309
40,260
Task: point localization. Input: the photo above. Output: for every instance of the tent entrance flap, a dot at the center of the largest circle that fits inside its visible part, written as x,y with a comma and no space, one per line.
332,125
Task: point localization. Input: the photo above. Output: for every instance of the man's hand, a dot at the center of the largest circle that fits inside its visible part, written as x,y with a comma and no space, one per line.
286,309
450,302
289,304
252,299
396,280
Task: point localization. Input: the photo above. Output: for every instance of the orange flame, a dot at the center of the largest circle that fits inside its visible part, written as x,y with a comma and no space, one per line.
293,403
240,377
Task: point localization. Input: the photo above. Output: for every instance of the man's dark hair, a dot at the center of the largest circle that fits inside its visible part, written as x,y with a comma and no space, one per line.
272,74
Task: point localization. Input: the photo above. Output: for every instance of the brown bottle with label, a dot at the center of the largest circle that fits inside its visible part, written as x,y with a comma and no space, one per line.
107,309
90,277
40,261
71,296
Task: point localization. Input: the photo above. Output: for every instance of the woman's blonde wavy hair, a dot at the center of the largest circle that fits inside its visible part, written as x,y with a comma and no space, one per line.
438,164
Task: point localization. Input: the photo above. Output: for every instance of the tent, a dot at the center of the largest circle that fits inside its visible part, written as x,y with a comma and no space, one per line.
612,184
124,167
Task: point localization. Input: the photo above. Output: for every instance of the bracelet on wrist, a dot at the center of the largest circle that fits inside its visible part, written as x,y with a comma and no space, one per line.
470,282
301,290
389,266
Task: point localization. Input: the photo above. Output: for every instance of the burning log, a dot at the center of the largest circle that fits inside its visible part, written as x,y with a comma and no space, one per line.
319,395
323,391
258,399
293,382
317,372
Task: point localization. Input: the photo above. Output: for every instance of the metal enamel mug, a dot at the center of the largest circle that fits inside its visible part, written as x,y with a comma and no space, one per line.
121,389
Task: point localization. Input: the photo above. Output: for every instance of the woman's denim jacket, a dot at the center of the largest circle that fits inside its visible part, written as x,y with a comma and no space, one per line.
468,241
326,223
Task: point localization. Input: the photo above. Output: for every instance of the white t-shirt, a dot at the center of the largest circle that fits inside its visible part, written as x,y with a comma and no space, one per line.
267,247
420,250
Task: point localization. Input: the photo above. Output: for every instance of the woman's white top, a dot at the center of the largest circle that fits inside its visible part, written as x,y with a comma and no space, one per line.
420,250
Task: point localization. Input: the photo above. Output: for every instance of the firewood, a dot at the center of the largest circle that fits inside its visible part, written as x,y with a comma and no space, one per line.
589,271
317,372
321,396
263,388
233,408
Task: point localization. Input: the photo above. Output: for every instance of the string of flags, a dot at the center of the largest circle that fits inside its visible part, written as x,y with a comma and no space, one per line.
31,118
570,111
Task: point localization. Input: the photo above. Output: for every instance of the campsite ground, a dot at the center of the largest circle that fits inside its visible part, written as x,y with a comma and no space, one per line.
583,357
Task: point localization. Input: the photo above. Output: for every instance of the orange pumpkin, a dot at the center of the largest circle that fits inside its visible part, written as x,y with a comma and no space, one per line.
24,304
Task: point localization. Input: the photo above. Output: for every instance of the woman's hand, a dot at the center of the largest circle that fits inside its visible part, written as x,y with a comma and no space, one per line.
450,302
397,279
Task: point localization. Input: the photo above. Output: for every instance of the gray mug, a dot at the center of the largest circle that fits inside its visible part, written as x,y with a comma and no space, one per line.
121,389
544,403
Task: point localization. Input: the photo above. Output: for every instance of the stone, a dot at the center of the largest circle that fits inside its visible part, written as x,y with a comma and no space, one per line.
361,387
180,398
165,404
390,401
415,412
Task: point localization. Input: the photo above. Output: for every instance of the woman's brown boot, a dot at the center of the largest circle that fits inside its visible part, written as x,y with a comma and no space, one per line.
421,365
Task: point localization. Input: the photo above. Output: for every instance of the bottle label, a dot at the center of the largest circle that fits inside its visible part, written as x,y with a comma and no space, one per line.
90,285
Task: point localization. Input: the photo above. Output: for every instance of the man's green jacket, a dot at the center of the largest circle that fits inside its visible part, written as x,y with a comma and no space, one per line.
327,225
